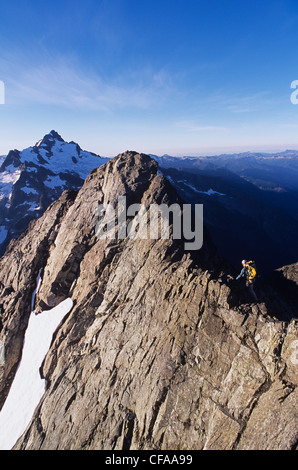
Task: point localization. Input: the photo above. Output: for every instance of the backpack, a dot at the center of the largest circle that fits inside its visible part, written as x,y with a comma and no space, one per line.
251,270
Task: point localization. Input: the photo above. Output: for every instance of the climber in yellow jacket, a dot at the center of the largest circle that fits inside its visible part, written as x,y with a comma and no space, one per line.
249,272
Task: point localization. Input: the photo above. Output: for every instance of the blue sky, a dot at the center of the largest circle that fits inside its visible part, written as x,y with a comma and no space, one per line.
161,76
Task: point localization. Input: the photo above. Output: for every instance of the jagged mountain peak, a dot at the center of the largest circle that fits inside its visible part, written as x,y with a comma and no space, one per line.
50,137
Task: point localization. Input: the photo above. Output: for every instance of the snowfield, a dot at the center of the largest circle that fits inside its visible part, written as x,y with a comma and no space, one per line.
210,191
28,387
7,179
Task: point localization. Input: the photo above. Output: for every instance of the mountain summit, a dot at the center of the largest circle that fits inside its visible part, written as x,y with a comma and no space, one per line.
53,135
153,352
31,179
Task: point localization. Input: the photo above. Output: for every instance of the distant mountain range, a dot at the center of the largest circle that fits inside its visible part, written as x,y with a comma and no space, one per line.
250,202
275,174
241,220
31,179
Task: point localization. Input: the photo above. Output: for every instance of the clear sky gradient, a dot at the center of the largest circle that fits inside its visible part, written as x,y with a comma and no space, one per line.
161,76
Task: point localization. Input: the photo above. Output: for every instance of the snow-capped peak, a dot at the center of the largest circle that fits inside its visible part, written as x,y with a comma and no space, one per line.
49,138
31,179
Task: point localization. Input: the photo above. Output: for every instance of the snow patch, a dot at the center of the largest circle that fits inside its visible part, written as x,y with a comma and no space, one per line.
30,206
170,180
10,177
7,179
210,191
54,182
29,190
28,387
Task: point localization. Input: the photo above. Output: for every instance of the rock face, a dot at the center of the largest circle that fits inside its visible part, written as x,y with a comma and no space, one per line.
154,354
290,273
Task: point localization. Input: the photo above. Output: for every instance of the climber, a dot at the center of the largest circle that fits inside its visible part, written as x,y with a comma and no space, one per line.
250,273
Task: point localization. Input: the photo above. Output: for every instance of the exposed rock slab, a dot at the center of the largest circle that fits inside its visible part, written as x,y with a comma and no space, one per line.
152,356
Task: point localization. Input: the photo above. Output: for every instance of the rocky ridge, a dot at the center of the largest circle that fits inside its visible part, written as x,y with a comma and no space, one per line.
155,353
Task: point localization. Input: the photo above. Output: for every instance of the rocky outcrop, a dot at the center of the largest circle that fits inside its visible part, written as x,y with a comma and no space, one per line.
290,273
154,354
